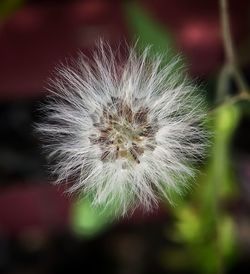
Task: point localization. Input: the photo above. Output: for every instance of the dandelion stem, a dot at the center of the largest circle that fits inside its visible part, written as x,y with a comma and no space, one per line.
227,38
231,60
230,68
230,101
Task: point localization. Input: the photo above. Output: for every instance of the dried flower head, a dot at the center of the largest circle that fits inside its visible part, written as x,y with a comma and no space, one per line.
126,132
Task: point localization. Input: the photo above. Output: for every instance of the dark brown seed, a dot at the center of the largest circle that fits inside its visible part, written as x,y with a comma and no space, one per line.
137,149
117,153
141,116
134,155
127,112
150,147
106,130
105,155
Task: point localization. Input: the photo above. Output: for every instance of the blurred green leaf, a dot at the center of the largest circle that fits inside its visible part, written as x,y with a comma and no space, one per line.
227,238
188,224
87,220
9,6
219,169
148,32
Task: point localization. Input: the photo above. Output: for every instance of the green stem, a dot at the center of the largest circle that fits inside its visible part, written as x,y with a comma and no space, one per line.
231,59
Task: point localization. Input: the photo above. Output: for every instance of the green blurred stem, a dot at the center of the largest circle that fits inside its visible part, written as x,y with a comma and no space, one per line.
230,68
231,101
216,211
221,94
231,60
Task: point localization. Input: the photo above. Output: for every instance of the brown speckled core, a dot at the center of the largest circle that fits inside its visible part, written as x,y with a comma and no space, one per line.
124,134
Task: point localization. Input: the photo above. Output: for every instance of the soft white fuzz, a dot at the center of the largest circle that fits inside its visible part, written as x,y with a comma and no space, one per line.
123,131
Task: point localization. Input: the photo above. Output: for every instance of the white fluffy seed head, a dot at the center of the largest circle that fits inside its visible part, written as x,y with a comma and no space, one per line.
123,131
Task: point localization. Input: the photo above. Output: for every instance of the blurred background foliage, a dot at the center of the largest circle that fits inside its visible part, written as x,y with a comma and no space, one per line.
9,6
208,230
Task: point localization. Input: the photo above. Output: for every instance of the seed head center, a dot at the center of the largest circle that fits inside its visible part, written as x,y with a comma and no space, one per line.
123,134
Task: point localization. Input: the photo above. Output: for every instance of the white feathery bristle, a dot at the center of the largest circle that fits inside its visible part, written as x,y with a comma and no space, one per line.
126,132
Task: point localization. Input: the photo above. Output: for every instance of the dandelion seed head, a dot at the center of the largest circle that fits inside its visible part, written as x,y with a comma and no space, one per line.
125,132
